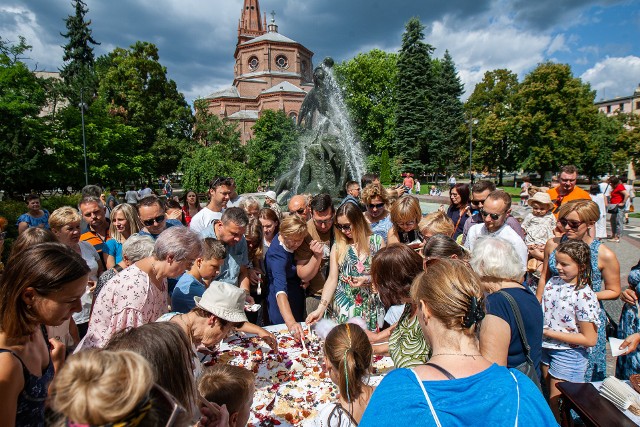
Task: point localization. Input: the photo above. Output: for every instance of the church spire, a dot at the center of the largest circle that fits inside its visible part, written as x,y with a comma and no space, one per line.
251,25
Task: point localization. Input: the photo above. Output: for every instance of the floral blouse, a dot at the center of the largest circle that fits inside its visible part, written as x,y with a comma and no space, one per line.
564,307
128,300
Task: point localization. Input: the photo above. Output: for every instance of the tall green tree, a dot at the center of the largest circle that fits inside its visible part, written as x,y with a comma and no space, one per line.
23,133
492,105
555,117
77,71
135,86
413,92
446,142
627,142
368,84
273,144
598,157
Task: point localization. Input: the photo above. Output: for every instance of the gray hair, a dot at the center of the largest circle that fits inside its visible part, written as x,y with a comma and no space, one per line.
179,242
249,201
497,258
90,199
236,215
137,247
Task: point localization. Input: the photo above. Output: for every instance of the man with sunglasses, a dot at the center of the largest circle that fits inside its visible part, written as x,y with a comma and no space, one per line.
567,190
312,256
298,206
479,192
494,212
151,212
220,189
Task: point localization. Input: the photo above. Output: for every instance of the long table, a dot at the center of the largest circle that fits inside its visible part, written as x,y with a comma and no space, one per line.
291,385
593,409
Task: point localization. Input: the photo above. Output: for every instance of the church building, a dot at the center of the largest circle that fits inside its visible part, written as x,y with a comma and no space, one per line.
271,72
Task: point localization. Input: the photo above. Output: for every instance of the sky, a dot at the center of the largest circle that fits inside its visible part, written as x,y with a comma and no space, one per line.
599,39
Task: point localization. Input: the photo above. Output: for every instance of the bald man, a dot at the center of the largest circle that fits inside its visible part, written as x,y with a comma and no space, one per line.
298,205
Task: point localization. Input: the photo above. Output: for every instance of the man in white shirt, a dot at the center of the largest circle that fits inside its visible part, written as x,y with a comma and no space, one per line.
495,211
219,193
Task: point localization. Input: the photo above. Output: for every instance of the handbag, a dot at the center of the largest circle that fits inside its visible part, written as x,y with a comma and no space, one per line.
527,366
612,327
612,209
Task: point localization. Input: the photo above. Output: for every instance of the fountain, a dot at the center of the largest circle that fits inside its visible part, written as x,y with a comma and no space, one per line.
329,152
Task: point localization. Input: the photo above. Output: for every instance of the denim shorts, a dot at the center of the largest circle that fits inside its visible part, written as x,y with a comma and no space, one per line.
568,365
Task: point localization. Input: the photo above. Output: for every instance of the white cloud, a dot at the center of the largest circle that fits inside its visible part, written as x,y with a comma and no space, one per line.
558,44
614,77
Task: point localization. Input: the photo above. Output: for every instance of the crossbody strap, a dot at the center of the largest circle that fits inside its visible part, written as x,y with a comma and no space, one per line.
426,396
518,396
520,323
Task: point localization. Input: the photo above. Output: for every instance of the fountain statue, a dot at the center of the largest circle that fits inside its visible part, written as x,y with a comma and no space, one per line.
329,152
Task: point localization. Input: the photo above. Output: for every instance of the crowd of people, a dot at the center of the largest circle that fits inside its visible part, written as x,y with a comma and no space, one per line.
106,321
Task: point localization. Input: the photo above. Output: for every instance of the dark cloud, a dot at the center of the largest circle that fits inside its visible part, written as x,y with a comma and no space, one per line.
547,14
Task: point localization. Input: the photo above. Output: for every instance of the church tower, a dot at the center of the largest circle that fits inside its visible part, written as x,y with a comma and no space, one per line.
250,24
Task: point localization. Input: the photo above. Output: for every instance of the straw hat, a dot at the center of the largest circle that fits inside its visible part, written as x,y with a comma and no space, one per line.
224,301
542,198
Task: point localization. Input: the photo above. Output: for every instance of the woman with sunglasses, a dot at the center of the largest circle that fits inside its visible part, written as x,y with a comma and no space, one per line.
375,198
350,272
577,218
139,293
405,217
459,208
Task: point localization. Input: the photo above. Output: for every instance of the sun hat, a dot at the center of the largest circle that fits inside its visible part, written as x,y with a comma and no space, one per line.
272,195
542,198
224,301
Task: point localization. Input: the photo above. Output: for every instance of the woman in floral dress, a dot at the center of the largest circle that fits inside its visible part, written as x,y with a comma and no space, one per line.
347,292
629,363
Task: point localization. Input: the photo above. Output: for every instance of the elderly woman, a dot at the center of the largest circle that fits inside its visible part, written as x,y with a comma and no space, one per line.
135,248
124,223
405,216
31,299
65,225
251,206
577,218
497,263
436,223
139,294
392,270
450,308
376,199
459,208
285,301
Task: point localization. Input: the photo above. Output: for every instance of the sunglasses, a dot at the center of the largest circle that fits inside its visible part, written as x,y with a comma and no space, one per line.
477,202
494,216
343,227
166,399
299,211
156,220
571,223
376,205
220,180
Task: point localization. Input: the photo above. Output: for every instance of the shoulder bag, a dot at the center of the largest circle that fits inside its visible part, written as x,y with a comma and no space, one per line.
527,366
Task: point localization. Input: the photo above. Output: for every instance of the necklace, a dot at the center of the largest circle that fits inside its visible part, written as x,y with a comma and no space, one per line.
457,354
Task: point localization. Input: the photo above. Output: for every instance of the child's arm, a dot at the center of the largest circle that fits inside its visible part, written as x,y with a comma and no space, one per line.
587,337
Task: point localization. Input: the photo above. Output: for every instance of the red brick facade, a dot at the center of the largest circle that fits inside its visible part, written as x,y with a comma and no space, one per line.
271,72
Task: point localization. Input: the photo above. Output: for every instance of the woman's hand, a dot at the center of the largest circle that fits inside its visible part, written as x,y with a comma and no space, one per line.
58,353
213,415
629,296
315,315
631,343
360,282
295,329
269,338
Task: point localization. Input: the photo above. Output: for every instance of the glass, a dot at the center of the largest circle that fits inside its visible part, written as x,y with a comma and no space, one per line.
477,202
323,221
343,227
376,205
157,220
571,223
494,216
166,399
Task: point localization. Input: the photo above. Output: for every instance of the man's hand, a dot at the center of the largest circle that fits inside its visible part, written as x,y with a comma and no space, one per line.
295,329
254,275
317,248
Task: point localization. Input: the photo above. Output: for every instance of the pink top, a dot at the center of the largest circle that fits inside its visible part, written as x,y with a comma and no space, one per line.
128,300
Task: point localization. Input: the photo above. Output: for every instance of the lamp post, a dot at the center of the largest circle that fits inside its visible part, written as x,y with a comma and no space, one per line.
471,122
82,106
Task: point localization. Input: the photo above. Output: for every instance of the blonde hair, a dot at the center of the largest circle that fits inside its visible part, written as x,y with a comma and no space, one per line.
587,210
436,223
133,221
293,225
100,386
372,191
226,385
63,216
360,230
406,208
447,287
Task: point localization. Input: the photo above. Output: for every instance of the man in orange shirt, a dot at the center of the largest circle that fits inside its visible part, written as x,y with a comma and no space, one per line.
567,190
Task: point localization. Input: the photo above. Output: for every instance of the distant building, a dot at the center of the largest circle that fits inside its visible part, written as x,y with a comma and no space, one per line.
272,72
52,105
623,104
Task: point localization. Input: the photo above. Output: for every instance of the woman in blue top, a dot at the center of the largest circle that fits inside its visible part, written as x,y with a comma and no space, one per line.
577,218
124,223
285,301
458,386
36,217
32,298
